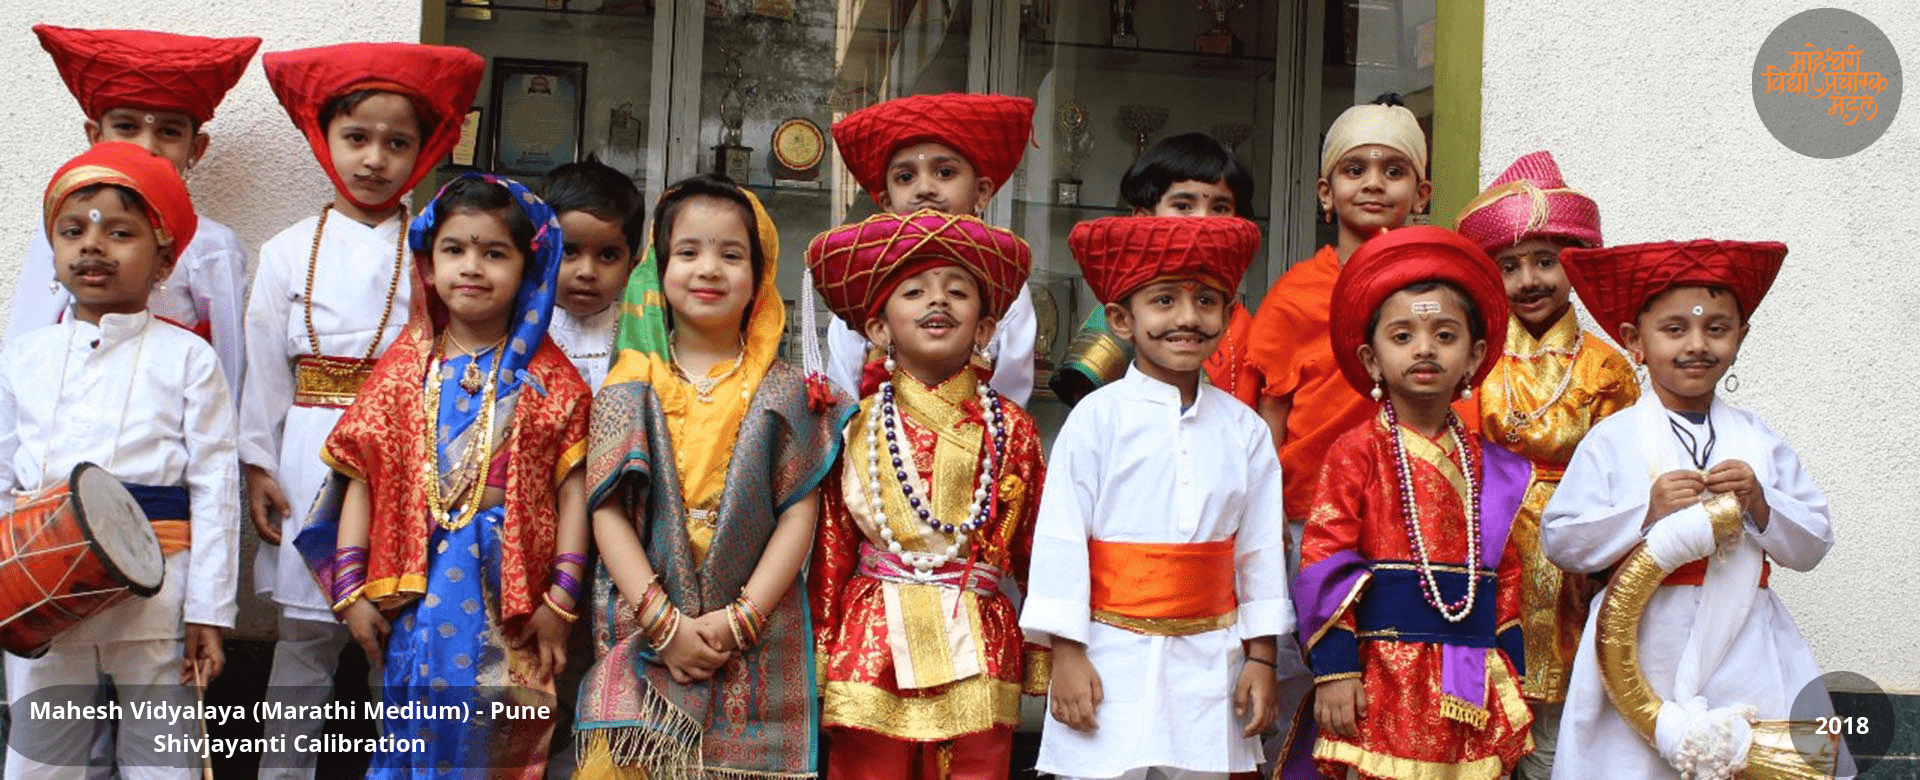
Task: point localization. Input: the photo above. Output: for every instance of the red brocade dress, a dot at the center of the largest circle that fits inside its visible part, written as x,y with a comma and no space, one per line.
1384,631
920,662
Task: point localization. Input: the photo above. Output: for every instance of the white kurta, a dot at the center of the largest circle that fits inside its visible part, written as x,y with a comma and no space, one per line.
1131,466
355,269
1012,347
205,287
150,405
588,344
1594,519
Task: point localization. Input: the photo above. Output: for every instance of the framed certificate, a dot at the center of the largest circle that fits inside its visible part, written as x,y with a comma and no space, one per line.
466,152
539,114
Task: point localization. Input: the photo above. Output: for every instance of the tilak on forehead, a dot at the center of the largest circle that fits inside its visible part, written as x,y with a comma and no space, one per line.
1425,309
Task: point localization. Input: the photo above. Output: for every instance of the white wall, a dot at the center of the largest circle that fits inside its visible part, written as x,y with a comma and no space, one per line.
258,176
1648,108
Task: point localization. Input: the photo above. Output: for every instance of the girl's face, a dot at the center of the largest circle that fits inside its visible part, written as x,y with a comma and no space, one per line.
374,147
1371,188
595,262
106,254
1688,337
934,176
1537,287
1423,346
708,276
477,269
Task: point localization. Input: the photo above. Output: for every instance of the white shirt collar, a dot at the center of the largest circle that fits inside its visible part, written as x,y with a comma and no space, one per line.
113,328
1148,388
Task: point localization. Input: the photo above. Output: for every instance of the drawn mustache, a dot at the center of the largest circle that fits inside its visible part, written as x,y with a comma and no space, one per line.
1198,333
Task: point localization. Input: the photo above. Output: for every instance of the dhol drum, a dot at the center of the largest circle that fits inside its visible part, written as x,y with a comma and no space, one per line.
70,552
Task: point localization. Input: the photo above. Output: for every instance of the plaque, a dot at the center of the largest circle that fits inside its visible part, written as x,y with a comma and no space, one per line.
798,147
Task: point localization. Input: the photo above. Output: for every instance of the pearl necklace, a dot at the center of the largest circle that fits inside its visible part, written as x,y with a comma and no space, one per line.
1518,420
883,414
1430,589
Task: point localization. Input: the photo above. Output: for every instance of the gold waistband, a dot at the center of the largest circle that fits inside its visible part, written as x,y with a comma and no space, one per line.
1166,626
328,381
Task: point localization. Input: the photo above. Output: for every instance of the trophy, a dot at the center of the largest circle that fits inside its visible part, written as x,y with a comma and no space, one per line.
1123,34
731,159
1219,38
1076,133
1232,134
1141,122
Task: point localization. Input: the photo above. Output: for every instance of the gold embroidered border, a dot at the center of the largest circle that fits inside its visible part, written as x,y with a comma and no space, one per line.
1382,765
1037,671
966,707
328,382
1166,626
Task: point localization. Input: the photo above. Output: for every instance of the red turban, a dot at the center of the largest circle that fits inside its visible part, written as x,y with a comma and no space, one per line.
991,131
1617,282
1530,200
440,82
1118,255
1397,259
146,70
857,266
169,208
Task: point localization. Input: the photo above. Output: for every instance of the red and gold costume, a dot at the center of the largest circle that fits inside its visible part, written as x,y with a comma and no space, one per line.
1540,401
1442,690
922,659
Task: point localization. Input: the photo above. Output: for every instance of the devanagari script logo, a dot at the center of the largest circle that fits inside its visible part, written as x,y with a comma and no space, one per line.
1826,74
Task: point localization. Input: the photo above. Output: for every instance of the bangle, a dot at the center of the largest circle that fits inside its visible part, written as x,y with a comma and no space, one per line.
572,557
1267,661
567,583
558,610
346,600
672,628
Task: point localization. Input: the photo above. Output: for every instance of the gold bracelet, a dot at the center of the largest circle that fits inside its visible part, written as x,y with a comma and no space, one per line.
558,610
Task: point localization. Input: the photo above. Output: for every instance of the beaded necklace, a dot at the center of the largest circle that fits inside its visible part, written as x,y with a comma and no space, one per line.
393,285
883,416
475,455
1430,588
1518,420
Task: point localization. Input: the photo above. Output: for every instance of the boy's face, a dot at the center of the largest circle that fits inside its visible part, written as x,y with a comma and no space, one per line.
1373,187
169,134
1689,337
105,253
934,176
1537,286
1193,198
708,276
1174,326
477,268
933,322
374,147
596,262
1423,345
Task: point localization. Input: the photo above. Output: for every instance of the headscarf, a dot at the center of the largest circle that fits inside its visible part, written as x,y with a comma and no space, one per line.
991,131
440,82
1391,126
1530,200
1616,282
1398,259
145,69
1118,255
168,206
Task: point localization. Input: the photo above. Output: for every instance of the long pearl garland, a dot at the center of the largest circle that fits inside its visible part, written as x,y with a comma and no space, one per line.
1430,589
884,415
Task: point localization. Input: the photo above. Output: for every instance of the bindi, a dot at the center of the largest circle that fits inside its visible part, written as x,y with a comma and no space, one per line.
1699,310
93,215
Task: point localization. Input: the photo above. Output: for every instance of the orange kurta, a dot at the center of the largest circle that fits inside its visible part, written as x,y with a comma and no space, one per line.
1405,733
1520,410
1228,368
859,682
1288,347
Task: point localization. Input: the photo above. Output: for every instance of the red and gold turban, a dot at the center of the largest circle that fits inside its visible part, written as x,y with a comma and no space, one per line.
1617,282
440,81
146,70
1397,259
1118,255
991,131
856,266
169,208
1530,200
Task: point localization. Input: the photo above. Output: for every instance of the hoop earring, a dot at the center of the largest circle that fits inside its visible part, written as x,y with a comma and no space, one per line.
1732,382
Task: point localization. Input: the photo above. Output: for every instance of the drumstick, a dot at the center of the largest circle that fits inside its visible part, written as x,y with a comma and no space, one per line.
200,698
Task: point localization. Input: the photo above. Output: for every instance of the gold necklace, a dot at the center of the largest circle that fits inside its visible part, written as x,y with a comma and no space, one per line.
393,285
481,443
471,379
703,385
1517,419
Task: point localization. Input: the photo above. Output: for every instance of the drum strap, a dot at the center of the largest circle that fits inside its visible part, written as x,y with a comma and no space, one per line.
167,508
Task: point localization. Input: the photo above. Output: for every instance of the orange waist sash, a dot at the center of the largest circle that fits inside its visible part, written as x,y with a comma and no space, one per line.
1695,573
1163,589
